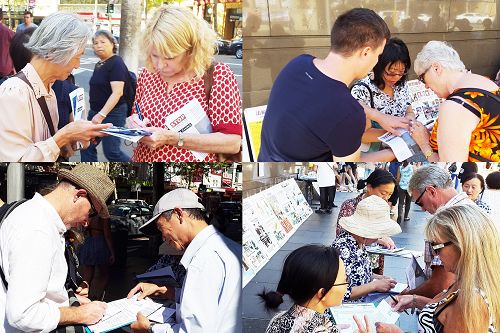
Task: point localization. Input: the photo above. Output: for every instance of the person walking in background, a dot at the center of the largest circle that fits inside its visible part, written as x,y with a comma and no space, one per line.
327,189
106,96
405,172
6,35
28,22
492,195
97,252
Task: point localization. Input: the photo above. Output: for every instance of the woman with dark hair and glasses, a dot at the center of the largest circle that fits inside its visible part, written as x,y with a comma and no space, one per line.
385,89
314,277
468,243
472,102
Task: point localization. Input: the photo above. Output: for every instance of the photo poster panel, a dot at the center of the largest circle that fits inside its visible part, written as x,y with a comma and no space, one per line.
424,102
253,118
270,218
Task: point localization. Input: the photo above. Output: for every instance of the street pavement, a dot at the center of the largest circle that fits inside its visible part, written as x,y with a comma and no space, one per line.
320,229
84,73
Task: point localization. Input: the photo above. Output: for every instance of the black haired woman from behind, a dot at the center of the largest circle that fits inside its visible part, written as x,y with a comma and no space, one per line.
314,278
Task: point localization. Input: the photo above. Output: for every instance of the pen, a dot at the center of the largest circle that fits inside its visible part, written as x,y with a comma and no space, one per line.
138,109
395,300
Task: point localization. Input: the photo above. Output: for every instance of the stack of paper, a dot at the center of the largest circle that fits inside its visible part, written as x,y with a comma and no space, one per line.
124,312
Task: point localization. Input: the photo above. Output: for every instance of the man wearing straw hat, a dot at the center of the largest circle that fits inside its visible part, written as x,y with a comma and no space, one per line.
33,297
371,220
210,298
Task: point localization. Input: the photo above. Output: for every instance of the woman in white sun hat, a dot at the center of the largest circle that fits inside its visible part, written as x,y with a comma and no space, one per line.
370,221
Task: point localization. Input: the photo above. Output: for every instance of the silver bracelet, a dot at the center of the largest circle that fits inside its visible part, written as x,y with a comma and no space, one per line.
102,114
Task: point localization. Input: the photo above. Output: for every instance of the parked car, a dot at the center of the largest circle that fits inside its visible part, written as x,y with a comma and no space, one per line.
128,216
222,45
475,18
236,48
138,202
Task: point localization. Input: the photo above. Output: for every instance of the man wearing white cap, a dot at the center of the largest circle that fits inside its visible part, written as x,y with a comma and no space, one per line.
34,269
210,298
371,220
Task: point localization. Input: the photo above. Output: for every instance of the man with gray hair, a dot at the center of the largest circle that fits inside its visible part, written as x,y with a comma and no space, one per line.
33,266
433,188
210,298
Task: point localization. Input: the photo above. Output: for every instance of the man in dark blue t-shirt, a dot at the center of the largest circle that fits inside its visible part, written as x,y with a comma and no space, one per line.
311,115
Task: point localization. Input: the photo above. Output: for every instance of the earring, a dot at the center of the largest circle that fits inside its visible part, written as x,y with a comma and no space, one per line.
371,76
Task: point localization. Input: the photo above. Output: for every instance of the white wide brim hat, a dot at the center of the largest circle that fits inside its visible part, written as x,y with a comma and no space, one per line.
371,219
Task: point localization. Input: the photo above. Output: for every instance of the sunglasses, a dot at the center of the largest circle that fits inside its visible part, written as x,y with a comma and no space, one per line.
93,211
421,77
437,247
418,202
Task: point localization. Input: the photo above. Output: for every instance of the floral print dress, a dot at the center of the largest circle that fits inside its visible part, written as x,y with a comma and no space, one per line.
299,319
484,144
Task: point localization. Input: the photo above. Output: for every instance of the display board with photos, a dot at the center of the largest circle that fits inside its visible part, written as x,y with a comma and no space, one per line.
424,102
270,218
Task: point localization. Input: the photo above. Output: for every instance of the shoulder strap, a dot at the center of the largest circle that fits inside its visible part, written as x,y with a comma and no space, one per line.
41,101
450,300
482,91
6,211
360,83
208,79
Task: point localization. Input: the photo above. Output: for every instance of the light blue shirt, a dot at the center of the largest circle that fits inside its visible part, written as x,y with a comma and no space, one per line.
22,27
210,298
405,175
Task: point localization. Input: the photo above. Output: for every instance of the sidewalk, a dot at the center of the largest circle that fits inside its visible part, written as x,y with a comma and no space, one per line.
321,229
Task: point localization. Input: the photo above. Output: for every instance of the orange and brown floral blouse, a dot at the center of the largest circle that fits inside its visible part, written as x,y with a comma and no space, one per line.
485,138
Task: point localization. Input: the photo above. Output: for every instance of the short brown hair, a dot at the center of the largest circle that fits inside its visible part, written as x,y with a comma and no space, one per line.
357,28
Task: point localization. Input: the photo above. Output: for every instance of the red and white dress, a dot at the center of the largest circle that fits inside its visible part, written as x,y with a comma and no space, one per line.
156,104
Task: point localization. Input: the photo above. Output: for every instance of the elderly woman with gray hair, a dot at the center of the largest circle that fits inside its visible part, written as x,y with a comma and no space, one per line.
472,100
28,104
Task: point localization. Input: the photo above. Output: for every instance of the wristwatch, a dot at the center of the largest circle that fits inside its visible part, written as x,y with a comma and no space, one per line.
180,143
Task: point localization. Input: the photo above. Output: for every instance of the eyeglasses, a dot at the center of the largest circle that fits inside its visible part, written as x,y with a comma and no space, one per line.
437,247
421,77
341,284
395,74
420,197
93,211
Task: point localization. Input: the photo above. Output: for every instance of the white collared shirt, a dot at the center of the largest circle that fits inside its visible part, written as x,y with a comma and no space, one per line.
210,299
32,258
24,133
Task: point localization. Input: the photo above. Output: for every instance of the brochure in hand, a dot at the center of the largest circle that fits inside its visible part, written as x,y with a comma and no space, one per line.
130,134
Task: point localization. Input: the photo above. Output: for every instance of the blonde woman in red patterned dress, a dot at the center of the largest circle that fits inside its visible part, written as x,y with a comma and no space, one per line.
179,50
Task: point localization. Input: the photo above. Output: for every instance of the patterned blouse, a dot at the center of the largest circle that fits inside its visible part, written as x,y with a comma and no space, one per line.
483,205
396,105
357,264
485,138
224,111
299,319
428,318
347,209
